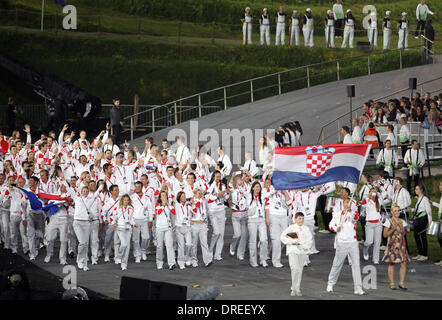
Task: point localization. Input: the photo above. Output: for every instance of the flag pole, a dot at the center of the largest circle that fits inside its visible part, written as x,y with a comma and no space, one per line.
42,13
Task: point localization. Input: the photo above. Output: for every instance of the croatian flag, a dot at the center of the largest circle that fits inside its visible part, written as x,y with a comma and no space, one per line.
36,204
306,166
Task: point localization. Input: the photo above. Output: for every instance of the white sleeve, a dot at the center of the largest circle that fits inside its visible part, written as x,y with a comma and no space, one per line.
387,223
417,11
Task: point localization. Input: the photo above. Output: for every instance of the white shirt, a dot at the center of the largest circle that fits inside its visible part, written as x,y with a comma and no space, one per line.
183,214
347,221
251,166
371,212
402,198
423,204
356,135
302,244
347,139
227,164
415,158
182,154
124,217
338,11
256,207
422,9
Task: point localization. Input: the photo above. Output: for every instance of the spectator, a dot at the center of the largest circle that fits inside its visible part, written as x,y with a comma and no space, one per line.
371,136
116,121
380,119
345,131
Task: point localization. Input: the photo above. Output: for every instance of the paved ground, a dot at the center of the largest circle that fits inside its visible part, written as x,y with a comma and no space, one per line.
313,107
238,280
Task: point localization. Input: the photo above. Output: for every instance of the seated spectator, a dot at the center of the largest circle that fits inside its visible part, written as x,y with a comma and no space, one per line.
379,119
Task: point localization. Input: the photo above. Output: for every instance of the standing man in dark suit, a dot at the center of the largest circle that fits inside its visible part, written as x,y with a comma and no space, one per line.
10,115
116,120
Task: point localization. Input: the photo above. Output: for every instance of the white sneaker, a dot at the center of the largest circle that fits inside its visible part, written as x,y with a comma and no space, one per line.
383,248
144,257
159,267
329,288
293,293
63,262
117,260
278,265
31,257
106,259
188,263
232,253
195,264
438,263
137,260
240,258
359,292
94,261
416,257
80,265
14,250
324,231
85,268
307,263
315,252
182,267
366,256
422,258
123,267
299,294
47,259
264,264
218,258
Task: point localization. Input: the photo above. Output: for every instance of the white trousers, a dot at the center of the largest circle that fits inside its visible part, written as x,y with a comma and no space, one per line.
349,33
373,37
5,228
387,38
124,237
94,240
294,34
16,226
246,33
199,233
342,251
308,36
296,262
57,226
403,39
218,221
264,31
240,233
82,231
330,30
373,236
35,231
165,237
141,232
280,33
257,227
111,237
184,241
278,223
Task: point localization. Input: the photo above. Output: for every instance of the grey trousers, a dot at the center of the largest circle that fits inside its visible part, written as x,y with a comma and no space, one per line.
16,226
124,236
165,237
35,231
72,238
373,236
342,251
143,231
257,227
94,240
218,221
296,262
5,228
111,237
199,233
278,223
82,231
57,226
184,242
240,233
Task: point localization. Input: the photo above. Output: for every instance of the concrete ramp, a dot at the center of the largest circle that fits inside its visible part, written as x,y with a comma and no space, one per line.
313,107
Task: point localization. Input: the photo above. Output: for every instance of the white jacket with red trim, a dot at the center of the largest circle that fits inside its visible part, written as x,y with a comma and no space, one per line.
142,205
215,203
371,212
347,222
199,210
239,198
164,216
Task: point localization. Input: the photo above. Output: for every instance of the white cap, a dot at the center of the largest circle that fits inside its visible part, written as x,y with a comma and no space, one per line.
295,11
388,12
247,8
348,10
265,9
308,10
404,13
329,11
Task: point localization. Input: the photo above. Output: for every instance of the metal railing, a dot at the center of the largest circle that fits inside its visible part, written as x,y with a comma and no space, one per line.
252,90
339,121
